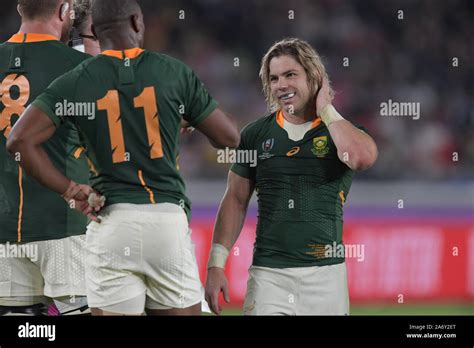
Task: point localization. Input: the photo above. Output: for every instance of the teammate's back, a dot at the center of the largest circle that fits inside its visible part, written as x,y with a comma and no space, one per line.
28,211
52,233
133,103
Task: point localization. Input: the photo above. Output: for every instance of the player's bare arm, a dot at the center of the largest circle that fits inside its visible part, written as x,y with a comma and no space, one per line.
26,139
354,147
220,129
230,220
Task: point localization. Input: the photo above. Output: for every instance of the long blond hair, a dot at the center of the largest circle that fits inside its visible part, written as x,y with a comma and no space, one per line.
305,55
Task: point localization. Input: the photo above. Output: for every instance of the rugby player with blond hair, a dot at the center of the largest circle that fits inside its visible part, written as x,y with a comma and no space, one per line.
307,156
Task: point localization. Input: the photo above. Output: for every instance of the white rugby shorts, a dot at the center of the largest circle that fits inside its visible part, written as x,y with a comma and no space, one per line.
142,252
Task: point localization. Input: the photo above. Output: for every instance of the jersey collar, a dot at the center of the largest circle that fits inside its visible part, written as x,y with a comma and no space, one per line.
121,54
280,119
31,37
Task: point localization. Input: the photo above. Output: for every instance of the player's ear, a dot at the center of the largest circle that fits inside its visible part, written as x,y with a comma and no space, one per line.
63,11
18,8
136,23
139,27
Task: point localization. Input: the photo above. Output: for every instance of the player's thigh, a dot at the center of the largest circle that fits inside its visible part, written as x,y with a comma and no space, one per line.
172,274
192,310
323,291
61,262
131,307
114,259
270,291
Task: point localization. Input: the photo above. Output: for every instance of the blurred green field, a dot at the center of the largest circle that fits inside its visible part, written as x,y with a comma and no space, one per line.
401,309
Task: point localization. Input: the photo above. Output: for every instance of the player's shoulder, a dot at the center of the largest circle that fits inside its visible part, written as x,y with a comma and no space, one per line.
56,50
255,130
5,51
165,58
6,48
78,73
75,57
261,123
166,61
3,45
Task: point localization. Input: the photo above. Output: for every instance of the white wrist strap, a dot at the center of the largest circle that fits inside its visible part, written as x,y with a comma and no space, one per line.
218,256
330,115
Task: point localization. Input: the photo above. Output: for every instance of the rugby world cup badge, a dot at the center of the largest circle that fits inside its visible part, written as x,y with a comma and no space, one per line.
267,145
320,146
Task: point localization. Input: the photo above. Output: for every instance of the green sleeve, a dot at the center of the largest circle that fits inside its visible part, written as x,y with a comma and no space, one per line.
245,170
199,103
52,100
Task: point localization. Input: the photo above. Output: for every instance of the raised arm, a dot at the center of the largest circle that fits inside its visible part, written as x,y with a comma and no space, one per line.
229,223
355,148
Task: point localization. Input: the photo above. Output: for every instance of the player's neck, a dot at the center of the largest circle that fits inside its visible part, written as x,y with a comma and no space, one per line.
300,118
37,27
118,43
92,47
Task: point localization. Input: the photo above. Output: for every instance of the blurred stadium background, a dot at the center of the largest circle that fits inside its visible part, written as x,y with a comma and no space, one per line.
418,259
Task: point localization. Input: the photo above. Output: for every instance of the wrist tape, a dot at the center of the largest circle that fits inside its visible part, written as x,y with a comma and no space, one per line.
218,256
329,115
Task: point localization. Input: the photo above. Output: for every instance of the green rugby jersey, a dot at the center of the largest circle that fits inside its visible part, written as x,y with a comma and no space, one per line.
301,188
139,98
28,211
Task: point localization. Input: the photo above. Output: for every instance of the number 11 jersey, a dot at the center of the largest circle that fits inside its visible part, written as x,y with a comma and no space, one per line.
128,106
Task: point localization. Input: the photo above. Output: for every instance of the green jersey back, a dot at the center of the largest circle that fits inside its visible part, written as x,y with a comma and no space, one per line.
132,103
301,188
28,211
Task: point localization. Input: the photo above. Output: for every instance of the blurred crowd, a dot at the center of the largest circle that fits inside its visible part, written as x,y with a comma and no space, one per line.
406,51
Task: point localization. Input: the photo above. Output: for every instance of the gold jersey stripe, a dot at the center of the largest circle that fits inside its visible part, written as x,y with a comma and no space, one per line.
152,196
